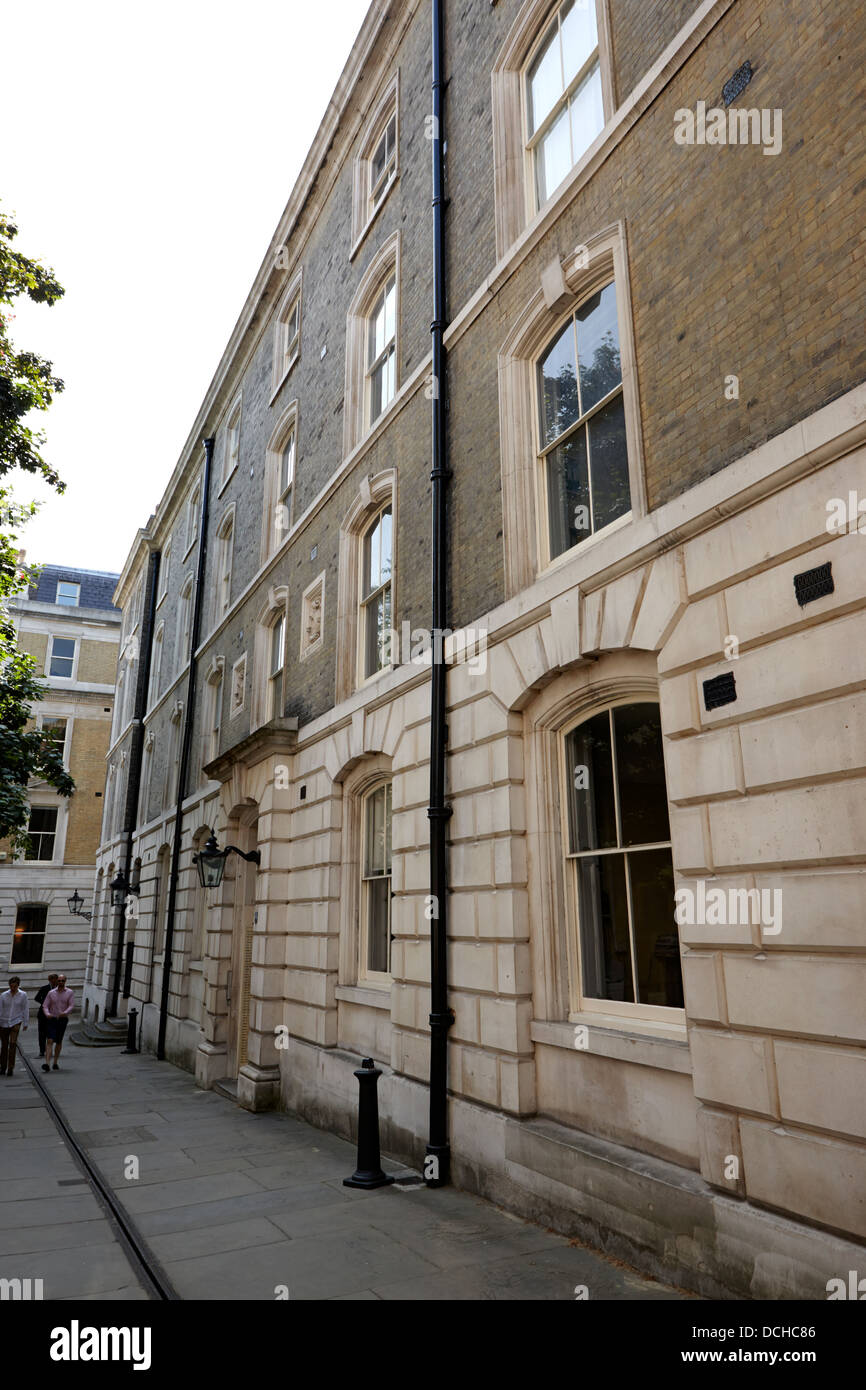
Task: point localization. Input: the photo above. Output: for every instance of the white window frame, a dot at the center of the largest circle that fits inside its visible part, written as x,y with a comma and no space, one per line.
29,902
164,567
365,602
225,563
184,626
279,501
262,706
67,735
379,361
533,140
68,584
365,205
172,764
581,1005
374,495
563,286
146,777
156,665
276,674
232,441
375,978
287,349
544,451
214,679
193,507
58,846
357,425
514,192
58,636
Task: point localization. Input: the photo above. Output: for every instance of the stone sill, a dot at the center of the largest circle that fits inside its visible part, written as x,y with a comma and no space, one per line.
370,998
642,1049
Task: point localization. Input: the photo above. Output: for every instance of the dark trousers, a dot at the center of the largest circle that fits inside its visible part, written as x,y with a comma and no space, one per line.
40,1024
8,1047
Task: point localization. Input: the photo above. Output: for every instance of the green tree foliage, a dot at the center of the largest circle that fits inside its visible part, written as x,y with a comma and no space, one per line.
27,383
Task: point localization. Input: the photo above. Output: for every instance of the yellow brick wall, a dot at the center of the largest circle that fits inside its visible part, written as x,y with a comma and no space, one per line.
87,765
36,643
97,662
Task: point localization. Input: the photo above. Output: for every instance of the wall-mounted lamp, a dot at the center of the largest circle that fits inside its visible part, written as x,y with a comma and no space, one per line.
211,861
75,904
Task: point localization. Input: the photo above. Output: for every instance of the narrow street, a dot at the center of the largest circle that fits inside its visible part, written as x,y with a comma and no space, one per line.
234,1205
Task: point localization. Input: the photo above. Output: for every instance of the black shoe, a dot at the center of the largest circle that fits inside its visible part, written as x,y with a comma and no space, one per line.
55,1067
45,1066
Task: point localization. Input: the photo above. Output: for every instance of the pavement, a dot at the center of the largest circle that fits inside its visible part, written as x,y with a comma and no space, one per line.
241,1206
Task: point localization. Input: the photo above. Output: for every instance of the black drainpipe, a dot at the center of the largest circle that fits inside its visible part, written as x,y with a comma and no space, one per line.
184,753
133,785
437,1165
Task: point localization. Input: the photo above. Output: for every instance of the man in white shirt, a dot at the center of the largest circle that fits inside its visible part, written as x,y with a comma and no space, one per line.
14,1013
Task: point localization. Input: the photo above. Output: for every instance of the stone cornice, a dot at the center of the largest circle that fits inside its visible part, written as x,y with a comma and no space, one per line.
277,736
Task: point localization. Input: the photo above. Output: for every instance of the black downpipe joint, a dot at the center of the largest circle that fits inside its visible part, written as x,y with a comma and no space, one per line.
438,1154
188,718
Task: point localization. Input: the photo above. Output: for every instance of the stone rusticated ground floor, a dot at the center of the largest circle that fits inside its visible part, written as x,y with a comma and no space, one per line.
234,1206
726,1151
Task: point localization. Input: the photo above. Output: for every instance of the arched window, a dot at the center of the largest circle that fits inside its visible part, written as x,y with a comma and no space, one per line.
225,560
269,661
280,460
156,664
564,107
583,452
119,697
164,573
617,844
232,442
367,573
214,709
172,765
276,666
376,164
374,623
184,626
375,894
287,334
372,345
193,507
146,775
381,384
553,91
570,421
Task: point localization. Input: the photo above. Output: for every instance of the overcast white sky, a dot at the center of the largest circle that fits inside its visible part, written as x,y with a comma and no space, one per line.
149,151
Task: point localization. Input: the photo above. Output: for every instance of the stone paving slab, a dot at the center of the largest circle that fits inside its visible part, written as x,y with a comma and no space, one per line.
235,1205
52,1227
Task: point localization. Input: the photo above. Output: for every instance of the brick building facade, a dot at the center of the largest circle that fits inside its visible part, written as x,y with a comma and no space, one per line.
656,414
67,621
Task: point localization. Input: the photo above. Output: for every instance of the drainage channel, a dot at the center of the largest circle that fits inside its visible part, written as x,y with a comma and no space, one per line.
144,1263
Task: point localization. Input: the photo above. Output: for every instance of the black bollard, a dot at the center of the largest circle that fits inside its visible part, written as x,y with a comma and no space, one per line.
369,1170
130,1032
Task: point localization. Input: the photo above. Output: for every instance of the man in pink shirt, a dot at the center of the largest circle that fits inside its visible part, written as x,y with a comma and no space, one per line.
57,1008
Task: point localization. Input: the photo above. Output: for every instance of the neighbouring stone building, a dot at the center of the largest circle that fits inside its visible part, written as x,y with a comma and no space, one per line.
656,418
67,621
